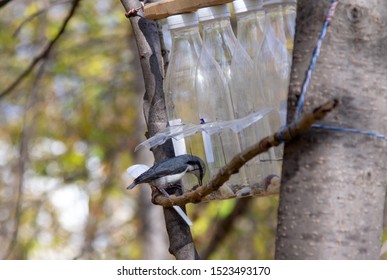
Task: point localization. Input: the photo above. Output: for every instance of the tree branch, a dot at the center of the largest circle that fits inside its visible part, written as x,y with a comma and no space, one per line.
44,54
36,14
148,44
4,2
287,134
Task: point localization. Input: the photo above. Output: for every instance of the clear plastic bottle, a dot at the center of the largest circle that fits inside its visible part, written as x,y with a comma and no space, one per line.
272,65
237,67
179,85
215,106
250,18
251,26
282,15
289,13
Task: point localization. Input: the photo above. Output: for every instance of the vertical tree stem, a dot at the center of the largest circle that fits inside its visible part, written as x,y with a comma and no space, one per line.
148,44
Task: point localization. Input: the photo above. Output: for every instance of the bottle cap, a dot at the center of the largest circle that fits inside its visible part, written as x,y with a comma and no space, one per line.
183,20
242,6
214,12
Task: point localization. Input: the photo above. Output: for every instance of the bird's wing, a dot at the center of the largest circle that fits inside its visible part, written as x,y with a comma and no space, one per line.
163,168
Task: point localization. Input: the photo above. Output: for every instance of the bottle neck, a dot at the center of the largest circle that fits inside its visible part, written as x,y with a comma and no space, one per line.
280,19
220,42
185,32
275,21
290,12
183,38
217,26
251,27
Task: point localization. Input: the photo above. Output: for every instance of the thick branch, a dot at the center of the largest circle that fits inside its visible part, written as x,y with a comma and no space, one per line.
44,54
287,134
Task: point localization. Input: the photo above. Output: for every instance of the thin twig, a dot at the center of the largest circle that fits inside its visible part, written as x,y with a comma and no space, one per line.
36,14
44,54
286,134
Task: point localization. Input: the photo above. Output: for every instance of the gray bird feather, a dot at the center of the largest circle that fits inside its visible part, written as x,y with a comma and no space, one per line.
172,166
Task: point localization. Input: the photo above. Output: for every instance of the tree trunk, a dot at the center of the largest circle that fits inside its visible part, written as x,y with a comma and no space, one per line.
155,246
334,184
148,44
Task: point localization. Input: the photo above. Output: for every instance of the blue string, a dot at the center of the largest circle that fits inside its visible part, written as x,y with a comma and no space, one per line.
316,52
281,134
305,85
349,130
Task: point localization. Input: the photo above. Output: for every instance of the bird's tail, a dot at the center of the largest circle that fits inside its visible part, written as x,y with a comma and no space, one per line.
135,171
131,186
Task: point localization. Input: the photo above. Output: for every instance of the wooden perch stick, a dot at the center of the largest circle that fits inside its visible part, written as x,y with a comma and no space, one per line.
166,8
287,134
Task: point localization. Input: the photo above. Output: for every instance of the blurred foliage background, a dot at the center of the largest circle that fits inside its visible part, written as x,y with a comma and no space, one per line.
67,135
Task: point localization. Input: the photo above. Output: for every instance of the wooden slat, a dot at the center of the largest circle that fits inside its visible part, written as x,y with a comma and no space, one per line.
165,8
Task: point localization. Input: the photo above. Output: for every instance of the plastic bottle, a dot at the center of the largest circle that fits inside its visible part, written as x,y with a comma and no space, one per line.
179,85
282,15
237,67
214,107
250,18
272,65
251,26
289,14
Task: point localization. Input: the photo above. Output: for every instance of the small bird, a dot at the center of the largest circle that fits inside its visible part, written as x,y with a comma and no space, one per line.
169,171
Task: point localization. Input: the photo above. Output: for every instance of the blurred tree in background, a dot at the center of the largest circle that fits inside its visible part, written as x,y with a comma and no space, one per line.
68,131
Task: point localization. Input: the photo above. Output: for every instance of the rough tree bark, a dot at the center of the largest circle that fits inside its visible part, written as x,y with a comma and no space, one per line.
334,184
155,246
148,45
